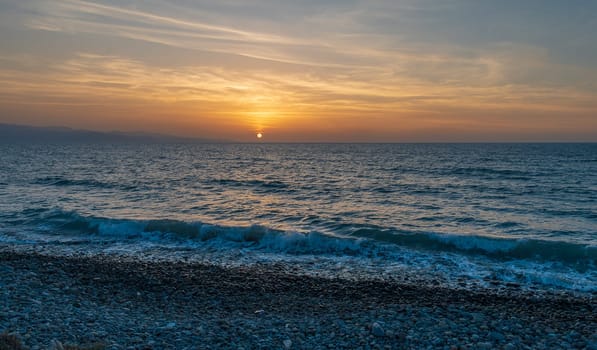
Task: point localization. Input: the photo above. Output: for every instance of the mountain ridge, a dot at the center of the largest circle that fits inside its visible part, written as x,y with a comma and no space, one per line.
18,133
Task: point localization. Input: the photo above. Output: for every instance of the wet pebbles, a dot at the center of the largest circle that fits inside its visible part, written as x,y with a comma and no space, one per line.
131,304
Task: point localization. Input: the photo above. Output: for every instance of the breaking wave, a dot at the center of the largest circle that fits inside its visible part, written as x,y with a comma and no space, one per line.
362,241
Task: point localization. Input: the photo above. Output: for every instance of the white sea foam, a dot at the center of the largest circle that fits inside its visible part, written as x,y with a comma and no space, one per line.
455,260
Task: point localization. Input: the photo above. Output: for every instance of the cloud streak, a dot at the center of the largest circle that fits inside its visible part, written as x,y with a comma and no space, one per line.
237,67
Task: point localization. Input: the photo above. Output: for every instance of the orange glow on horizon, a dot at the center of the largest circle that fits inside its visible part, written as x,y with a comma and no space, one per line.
197,75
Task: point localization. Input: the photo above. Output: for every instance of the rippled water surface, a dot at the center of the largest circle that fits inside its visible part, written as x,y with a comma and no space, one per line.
489,204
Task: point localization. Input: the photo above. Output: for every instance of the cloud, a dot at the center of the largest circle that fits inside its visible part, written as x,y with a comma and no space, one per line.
266,61
97,76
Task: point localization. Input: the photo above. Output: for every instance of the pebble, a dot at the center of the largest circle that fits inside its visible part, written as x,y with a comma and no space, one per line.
497,336
484,345
377,330
56,345
216,308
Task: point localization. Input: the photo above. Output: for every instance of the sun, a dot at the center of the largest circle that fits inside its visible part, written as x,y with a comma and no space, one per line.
259,135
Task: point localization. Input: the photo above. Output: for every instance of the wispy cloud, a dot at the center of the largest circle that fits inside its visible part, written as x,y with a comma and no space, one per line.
114,77
325,61
333,48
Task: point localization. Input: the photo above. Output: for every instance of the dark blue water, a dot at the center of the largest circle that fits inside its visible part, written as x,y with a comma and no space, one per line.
514,212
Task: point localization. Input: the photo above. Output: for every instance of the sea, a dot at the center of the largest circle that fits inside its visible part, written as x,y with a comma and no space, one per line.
471,216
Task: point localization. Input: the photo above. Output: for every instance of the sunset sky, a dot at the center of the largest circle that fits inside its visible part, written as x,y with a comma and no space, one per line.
308,70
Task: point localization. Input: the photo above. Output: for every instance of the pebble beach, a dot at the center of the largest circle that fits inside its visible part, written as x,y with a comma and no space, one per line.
121,303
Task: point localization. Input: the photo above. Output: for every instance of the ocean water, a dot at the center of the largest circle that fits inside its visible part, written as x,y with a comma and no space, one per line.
463,215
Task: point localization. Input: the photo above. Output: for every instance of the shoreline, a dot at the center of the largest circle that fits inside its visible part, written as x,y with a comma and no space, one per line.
128,304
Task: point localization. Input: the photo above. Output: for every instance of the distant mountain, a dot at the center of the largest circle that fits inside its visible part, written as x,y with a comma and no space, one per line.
11,133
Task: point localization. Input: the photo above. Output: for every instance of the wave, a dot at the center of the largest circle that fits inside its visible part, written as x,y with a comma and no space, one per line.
259,186
60,181
581,255
256,236
359,241
251,183
492,173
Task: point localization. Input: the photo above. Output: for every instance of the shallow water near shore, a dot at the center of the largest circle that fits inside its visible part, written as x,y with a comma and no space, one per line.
463,215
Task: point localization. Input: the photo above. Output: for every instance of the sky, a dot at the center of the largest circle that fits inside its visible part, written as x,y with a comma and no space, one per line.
304,70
